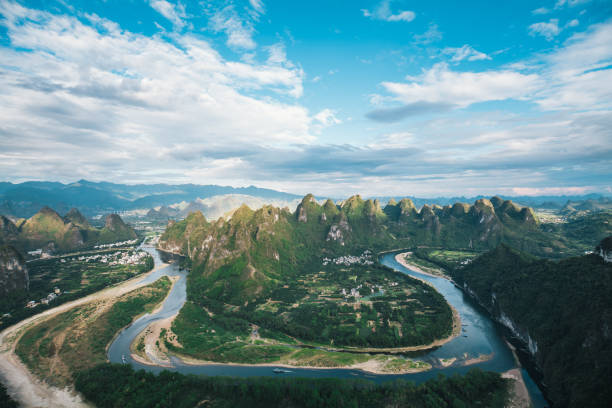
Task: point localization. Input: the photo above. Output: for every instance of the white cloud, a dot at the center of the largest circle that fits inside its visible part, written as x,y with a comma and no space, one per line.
239,31
402,16
383,12
569,3
327,117
441,85
579,74
100,99
257,5
465,52
431,35
540,10
175,13
572,23
277,54
548,30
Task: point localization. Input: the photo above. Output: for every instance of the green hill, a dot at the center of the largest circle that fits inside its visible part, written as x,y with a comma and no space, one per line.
249,253
47,229
278,270
561,310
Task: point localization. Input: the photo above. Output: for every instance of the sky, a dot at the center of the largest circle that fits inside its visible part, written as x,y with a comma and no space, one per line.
332,97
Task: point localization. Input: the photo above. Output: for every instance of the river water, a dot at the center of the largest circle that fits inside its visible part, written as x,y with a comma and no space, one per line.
479,336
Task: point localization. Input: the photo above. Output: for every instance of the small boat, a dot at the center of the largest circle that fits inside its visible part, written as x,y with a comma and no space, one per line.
123,359
281,371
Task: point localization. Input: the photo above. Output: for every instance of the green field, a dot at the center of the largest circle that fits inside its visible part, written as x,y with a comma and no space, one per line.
387,310
60,347
444,259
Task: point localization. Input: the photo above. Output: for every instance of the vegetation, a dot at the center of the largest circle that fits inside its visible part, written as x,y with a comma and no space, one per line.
49,231
268,269
562,309
120,386
76,340
73,276
442,258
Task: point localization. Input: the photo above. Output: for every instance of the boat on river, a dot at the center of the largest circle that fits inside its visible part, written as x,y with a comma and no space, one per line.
281,371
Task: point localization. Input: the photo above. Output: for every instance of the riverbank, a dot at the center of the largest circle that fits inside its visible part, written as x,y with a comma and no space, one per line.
379,365
436,273
520,397
19,381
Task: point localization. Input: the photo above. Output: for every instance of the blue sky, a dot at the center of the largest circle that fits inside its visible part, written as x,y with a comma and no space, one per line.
333,97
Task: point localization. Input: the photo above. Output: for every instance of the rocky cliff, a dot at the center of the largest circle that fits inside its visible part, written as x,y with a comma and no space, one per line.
13,271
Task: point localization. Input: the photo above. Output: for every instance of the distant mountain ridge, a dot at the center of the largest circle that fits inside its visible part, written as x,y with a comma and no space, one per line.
25,199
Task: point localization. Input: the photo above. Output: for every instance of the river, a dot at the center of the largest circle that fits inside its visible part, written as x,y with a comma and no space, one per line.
479,336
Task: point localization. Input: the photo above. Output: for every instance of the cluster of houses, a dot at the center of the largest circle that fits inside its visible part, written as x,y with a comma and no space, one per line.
116,244
354,292
46,300
348,260
40,253
115,258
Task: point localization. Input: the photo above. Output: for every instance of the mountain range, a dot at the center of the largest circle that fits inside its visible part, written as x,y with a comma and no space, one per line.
23,200
244,255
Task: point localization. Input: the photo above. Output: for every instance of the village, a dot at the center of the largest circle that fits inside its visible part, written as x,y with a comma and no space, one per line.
46,300
116,244
115,258
348,260
366,291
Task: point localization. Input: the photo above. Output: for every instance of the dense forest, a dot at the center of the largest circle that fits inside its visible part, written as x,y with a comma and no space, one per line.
561,310
116,386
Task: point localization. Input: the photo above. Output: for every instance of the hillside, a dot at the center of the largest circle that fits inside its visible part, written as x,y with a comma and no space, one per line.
310,274
590,205
248,253
13,271
48,230
561,310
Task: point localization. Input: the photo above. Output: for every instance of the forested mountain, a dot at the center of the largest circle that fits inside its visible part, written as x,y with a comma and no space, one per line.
252,253
271,240
48,230
561,310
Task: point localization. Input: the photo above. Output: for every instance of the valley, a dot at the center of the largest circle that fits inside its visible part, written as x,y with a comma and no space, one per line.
304,290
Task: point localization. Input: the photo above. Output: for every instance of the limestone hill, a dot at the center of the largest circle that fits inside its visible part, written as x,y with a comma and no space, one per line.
246,255
47,229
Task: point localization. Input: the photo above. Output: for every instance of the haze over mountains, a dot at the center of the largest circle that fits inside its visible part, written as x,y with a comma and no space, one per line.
22,200
25,199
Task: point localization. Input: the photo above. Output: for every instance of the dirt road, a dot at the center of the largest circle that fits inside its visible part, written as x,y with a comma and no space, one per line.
20,383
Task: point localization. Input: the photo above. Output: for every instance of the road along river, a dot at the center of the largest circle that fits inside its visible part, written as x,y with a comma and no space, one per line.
479,337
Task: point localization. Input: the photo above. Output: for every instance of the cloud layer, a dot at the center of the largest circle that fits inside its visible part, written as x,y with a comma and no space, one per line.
82,97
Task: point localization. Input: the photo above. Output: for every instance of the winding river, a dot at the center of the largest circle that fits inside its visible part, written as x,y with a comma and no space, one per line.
479,336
